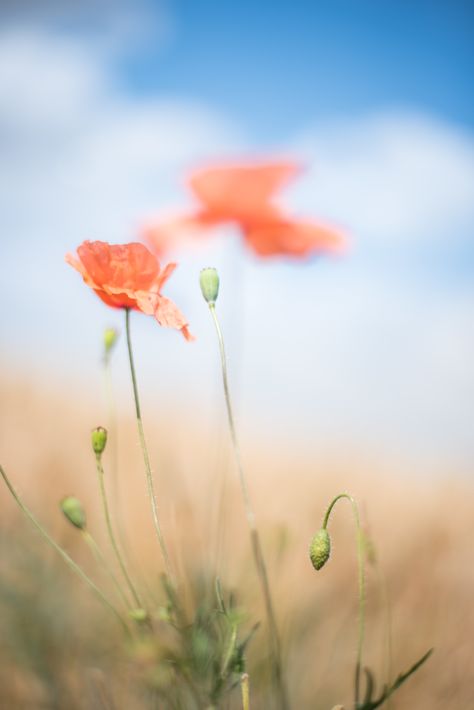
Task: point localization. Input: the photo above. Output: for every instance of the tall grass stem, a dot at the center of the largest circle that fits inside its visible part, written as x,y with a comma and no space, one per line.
254,534
244,686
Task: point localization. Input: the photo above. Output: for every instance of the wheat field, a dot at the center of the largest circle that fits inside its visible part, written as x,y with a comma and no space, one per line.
61,650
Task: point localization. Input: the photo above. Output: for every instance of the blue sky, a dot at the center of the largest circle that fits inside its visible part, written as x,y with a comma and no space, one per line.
104,108
273,63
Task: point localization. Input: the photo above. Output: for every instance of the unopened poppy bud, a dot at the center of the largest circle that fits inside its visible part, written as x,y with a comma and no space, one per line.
138,615
110,338
209,282
74,512
320,548
99,439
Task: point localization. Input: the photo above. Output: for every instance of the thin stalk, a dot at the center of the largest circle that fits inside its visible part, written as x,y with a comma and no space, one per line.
67,559
361,586
146,458
254,534
244,686
113,447
102,562
110,530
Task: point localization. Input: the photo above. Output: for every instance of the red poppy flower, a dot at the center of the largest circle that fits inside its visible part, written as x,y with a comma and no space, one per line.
129,276
244,195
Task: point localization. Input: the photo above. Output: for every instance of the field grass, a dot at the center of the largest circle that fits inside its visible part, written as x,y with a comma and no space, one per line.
60,649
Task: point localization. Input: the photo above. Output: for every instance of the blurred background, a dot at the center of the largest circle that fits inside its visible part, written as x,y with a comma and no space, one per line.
350,372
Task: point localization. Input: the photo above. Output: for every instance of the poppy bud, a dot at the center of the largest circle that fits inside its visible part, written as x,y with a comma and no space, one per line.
99,439
74,512
209,282
110,338
138,615
320,548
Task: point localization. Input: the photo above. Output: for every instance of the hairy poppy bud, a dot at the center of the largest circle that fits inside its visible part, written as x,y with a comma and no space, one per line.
320,548
74,512
99,439
209,282
110,338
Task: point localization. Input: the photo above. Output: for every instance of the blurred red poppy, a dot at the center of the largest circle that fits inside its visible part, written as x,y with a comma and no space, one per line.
129,276
243,195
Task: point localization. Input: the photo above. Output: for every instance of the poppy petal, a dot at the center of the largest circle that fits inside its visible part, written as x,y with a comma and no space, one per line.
294,238
168,315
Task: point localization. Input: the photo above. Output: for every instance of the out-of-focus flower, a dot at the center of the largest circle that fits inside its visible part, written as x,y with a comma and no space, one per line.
129,276
244,195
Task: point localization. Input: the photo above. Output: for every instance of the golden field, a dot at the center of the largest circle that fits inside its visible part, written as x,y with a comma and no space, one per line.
61,650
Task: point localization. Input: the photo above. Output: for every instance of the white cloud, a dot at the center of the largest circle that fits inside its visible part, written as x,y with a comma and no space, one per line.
342,348
396,176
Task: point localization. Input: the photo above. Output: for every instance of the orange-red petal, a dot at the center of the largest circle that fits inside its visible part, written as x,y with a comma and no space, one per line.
233,192
128,276
293,238
130,266
168,315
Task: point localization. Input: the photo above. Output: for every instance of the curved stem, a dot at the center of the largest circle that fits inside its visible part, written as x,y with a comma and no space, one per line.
146,458
254,534
102,562
67,559
362,585
110,530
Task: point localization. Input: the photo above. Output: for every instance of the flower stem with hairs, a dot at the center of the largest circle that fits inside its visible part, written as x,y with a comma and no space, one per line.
100,474
254,534
146,458
67,559
361,585
100,559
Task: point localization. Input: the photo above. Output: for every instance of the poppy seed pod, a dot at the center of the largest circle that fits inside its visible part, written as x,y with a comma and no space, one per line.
74,512
209,282
99,439
320,548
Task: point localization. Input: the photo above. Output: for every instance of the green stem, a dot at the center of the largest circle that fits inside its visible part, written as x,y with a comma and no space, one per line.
68,560
254,534
110,530
102,562
244,686
113,446
146,458
362,586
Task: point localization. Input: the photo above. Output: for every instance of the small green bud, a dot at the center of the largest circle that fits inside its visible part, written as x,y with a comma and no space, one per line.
209,282
138,615
164,613
74,512
99,439
320,548
110,338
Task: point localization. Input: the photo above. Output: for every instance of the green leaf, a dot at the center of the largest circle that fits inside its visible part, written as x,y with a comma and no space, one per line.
370,704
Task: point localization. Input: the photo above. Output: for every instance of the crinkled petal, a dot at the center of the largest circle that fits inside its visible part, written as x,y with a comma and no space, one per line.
164,275
130,266
168,315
